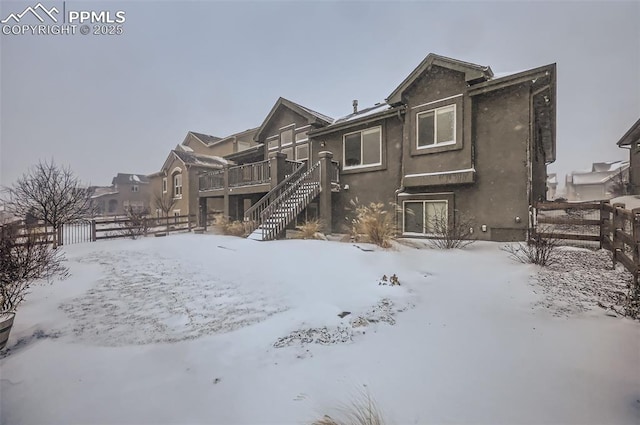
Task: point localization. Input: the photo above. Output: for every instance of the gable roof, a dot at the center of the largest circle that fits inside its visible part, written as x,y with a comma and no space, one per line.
472,73
632,135
124,178
195,159
205,139
315,118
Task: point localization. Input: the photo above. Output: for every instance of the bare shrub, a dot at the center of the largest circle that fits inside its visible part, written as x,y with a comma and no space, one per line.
136,224
361,411
537,250
458,234
310,229
25,258
374,222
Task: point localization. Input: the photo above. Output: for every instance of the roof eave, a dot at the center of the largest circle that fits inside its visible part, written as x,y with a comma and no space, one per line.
632,135
356,122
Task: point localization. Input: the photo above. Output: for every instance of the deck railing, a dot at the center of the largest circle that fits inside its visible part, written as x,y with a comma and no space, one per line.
211,180
250,174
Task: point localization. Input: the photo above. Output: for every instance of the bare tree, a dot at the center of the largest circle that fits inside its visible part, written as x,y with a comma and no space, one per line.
619,185
24,258
165,204
49,193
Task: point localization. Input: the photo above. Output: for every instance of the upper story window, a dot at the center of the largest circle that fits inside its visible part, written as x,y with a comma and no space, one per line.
302,137
177,185
436,127
164,185
363,148
286,137
273,142
302,152
134,188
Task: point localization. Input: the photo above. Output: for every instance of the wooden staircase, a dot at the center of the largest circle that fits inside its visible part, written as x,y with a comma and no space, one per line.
271,215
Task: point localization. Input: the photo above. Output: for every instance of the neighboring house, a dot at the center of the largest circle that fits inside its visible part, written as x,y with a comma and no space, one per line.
552,186
605,180
450,139
631,141
174,189
126,191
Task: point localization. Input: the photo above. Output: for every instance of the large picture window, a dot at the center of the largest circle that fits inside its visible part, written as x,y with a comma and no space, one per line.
436,127
424,216
363,148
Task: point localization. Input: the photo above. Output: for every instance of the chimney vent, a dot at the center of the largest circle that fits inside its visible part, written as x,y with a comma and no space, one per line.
355,106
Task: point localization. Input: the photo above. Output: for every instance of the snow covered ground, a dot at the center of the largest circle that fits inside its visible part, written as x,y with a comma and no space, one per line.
219,330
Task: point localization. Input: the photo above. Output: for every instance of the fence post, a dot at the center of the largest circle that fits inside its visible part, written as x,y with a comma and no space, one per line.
635,225
144,225
60,233
602,229
617,223
93,230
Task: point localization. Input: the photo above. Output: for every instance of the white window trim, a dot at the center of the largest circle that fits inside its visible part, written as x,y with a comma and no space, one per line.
436,101
287,126
435,127
176,212
165,185
175,186
355,167
423,201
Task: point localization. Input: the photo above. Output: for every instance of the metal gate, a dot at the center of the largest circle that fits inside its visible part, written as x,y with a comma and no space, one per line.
78,231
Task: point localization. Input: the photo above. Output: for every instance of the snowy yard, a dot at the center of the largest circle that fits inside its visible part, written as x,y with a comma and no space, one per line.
211,329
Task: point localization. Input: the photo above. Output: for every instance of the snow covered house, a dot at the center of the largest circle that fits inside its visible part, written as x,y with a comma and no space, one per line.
605,180
631,141
451,139
126,191
174,189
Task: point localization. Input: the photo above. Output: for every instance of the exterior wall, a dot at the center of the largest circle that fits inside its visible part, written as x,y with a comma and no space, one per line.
373,184
634,168
283,117
197,145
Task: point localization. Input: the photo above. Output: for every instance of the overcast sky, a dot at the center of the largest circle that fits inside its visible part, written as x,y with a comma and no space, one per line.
119,103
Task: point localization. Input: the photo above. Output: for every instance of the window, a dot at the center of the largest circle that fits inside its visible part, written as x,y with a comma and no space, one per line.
164,185
421,216
302,137
134,188
243,146
177,186
113,205
289,153
436,127
363,148
302,152
286,137
272,142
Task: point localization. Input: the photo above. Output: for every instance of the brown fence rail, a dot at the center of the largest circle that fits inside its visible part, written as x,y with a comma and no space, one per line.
598,224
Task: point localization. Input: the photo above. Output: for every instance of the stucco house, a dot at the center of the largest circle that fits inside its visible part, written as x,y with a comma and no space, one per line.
605,180
126,191
631,141
451,139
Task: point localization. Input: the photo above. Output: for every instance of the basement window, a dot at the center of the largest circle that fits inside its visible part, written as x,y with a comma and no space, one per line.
423,217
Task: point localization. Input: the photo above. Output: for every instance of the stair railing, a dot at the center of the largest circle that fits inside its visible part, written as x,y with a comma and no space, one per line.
281,211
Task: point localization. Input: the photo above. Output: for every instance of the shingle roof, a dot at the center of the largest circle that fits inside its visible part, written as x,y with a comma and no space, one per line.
378,107
193,158
124,178
205,138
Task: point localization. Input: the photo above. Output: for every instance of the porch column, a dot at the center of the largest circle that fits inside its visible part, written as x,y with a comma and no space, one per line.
225,208
277,160
325,194
202,217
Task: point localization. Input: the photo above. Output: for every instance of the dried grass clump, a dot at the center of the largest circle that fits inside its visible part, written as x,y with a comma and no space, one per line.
310,229
374,222
233,228
361,411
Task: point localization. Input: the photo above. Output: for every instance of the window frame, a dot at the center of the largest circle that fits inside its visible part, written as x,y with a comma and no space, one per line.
165,185
275,139
290,130
346,167
177,187
435,111
423,202
303,145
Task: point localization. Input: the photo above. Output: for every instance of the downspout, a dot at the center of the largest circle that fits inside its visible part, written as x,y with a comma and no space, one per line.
401,188
529,171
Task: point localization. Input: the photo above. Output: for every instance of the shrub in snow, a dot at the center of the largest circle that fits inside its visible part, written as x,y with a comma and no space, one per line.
374,222
389,281
24,258
136,224
310,229
446,235
537,250
363,410
233,228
